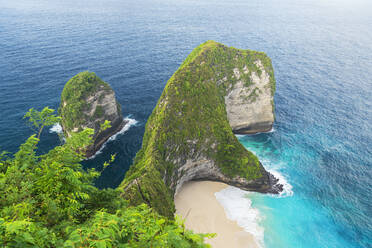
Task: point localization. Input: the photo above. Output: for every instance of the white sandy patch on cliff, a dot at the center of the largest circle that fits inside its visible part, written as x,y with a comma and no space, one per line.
196,202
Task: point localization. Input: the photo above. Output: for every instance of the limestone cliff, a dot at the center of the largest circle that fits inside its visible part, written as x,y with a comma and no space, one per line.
188,136
250,100
86,102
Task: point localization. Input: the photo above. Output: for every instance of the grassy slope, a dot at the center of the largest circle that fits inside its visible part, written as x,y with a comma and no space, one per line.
192,108
74,94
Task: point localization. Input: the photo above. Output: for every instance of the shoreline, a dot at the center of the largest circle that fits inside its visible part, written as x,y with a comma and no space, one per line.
197,204
128,123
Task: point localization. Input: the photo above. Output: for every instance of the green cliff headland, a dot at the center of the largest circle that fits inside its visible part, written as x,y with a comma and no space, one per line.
189,135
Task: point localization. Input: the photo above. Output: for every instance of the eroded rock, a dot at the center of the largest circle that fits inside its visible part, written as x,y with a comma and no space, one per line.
86,102
189,135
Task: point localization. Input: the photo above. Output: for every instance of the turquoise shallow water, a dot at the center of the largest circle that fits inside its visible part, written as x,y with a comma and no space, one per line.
322,57
316,210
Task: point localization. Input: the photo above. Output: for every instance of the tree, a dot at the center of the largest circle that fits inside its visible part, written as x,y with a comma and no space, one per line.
48,200
41,119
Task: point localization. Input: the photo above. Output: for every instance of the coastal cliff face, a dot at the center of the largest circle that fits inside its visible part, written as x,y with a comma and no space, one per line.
188,136
250,100
86,102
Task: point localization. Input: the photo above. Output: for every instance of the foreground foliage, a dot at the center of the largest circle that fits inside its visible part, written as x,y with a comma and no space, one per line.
48,200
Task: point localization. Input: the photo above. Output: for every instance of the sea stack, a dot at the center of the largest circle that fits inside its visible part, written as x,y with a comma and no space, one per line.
87,102
217,90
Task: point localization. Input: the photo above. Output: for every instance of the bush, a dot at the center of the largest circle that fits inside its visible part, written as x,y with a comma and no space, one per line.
48,200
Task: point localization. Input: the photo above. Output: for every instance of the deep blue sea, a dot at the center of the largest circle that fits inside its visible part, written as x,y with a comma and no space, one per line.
322,55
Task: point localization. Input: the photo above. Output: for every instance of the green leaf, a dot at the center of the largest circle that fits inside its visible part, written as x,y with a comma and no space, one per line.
105,125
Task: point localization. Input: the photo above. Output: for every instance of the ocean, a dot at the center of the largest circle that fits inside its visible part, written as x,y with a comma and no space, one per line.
321,144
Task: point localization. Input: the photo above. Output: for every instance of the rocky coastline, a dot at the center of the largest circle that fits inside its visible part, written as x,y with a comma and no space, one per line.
88,102
103,136
217,92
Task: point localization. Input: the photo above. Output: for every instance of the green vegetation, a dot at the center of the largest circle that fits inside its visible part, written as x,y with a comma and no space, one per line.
253,95
105,125
73,99
39,120
190,120
48,200
99,112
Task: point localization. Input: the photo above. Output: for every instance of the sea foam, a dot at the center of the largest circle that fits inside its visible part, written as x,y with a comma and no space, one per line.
274,169
238,207
56,128
129,123
239,136
287,188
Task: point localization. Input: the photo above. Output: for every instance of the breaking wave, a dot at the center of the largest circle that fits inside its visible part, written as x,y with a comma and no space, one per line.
238,207
129,123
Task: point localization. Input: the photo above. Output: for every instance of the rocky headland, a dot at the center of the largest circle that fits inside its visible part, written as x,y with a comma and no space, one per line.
216,92
87,102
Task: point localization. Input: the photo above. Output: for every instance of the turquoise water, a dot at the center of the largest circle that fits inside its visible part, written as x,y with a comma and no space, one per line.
322,57
316,209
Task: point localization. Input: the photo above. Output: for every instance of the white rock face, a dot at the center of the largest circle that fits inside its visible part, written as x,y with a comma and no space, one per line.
102,105
249,105
107,101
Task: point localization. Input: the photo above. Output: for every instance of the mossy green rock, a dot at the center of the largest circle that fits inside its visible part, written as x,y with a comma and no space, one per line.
86,102
188,135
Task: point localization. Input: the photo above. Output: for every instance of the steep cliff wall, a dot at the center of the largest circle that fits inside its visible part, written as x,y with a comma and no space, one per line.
250,99
188,136
86,102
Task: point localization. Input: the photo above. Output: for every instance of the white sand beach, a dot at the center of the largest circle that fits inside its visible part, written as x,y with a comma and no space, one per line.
197,203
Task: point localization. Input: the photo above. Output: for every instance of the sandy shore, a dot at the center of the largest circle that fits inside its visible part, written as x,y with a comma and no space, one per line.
197,203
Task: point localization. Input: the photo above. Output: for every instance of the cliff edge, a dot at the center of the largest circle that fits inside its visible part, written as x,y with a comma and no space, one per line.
86,102
189,135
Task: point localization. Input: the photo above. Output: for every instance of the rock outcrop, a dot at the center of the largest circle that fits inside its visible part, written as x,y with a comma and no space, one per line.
250,101
87,102
189,135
